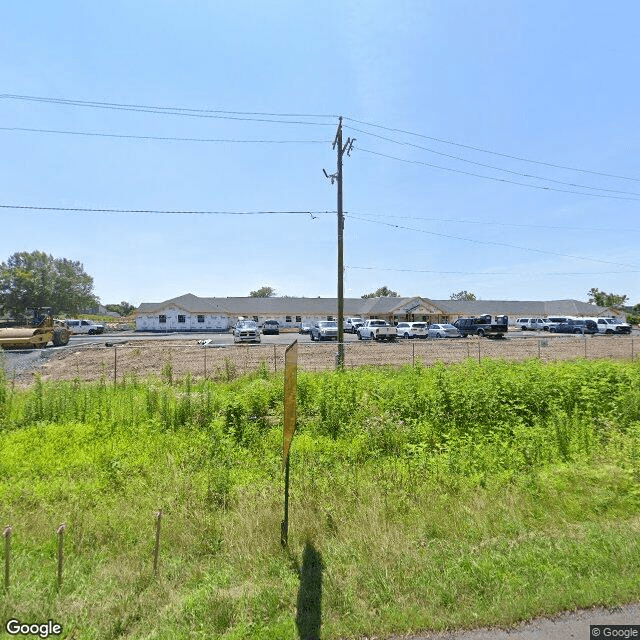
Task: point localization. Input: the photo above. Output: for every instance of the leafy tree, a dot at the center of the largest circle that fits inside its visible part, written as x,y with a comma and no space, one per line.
38,279
382,292
604,299
463,295
263,292
123,309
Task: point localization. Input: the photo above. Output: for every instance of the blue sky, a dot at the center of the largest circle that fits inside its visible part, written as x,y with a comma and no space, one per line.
554,82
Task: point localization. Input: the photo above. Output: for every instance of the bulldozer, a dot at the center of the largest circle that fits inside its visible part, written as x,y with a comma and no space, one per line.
37,333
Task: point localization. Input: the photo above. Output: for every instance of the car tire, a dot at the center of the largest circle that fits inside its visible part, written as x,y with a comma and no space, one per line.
481,333
405,336
359,336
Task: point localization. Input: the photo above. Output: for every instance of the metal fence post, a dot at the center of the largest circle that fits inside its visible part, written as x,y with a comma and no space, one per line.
60,532
156,549
7,552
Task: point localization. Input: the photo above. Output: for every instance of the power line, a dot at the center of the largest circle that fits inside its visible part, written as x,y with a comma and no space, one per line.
161,138
492,273
500,224
176,111
494,178
210,213
495,153
490,166
494,243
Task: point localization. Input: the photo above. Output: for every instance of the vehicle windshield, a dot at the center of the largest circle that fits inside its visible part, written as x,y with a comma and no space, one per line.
419,325
328,324
248,325
447,326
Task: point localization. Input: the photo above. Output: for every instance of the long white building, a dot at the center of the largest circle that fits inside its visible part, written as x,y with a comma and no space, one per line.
192,313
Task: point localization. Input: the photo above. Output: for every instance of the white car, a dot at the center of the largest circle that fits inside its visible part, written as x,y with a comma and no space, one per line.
412,330
443,331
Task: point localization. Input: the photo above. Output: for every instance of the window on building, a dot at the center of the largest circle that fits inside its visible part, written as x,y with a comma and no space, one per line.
162,319
182,318
200,318
287,319
298,318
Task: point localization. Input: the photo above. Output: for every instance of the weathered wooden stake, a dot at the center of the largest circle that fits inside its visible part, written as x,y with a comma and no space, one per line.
632,349
205,361
7,552
156,550
478,349
585,346
115,364
539,356
60,532
413,353
275,361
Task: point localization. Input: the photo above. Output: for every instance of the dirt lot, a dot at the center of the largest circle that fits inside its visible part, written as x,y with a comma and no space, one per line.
175,358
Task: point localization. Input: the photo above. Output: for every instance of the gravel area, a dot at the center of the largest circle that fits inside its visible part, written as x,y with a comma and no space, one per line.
179,357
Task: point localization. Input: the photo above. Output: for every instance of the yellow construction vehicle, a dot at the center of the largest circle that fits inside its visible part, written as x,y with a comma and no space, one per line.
38,333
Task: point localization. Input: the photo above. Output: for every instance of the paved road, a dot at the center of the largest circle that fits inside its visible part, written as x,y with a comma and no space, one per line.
566,626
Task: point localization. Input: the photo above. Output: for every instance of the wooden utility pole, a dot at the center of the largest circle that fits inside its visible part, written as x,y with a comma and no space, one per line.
341,149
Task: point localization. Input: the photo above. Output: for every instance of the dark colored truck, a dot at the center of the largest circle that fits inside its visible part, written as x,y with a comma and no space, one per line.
482,326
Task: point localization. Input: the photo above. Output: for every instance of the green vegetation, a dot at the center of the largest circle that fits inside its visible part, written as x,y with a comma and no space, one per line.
421,498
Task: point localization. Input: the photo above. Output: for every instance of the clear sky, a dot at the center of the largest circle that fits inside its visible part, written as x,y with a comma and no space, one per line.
446,101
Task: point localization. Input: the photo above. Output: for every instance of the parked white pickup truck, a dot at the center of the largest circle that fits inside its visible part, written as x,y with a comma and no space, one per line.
375,329
84,326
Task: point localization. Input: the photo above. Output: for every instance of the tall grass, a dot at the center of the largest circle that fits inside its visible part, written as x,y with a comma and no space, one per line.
471,494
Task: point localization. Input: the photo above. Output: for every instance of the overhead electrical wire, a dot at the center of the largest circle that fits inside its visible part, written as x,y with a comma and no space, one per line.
160,138
194,212
490,166
177,111
495,153
492,242
494,178
492,223
492,273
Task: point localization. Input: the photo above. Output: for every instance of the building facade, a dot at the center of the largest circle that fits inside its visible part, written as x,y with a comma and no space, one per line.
193,313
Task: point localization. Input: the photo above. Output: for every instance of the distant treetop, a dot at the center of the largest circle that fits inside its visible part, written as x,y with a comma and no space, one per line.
382,292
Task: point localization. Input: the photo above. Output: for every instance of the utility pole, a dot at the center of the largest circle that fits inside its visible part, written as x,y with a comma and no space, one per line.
341,149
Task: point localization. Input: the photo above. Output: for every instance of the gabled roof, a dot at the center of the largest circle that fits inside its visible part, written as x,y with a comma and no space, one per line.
247,306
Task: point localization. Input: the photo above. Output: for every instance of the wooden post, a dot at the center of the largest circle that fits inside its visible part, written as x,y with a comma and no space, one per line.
60,532
115,364
478,349
205,361
275,360
7,552
585,346
290,379
413,353
539,356
156,549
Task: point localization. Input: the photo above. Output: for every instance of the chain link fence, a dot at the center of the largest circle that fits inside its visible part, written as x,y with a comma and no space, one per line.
172,360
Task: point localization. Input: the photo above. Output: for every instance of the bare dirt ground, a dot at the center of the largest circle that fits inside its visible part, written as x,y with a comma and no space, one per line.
176,358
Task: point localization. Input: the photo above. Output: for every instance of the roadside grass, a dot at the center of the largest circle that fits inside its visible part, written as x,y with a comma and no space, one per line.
482,493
